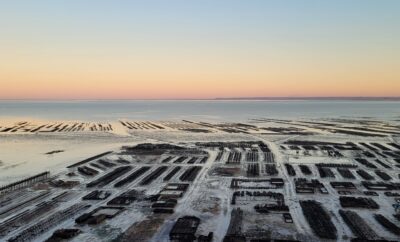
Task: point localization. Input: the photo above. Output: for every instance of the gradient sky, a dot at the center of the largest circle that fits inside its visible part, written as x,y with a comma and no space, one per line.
81,49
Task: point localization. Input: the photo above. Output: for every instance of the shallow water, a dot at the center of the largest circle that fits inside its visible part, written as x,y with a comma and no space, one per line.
206,110
24,155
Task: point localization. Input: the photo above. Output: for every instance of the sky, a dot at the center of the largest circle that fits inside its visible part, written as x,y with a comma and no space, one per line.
177,49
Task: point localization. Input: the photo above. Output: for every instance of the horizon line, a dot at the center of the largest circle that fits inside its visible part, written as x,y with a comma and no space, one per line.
355,98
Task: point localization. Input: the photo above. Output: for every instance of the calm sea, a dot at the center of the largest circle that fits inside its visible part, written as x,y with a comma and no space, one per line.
238,110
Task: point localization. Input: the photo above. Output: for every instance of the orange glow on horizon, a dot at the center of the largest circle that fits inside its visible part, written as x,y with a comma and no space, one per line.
101,79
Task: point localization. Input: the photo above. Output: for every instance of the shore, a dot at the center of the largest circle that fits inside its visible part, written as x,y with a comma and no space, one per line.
126,170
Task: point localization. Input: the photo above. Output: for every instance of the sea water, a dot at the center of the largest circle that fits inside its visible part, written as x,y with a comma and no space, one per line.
233,110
